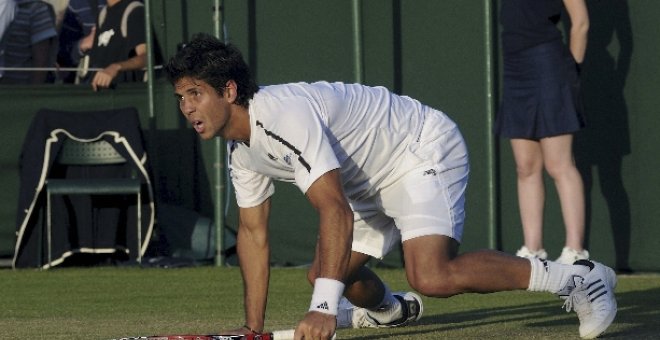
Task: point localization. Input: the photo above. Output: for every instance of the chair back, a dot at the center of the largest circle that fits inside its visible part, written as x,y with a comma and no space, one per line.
88,153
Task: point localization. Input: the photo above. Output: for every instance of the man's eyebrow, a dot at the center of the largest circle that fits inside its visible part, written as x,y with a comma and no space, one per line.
187,91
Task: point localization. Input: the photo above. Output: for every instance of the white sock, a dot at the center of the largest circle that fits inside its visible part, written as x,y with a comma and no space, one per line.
388,310
549,276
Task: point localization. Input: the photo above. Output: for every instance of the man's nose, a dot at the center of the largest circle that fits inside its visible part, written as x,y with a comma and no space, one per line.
187,108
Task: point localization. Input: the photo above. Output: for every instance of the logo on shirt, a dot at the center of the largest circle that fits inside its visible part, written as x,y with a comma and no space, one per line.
287,158
104,38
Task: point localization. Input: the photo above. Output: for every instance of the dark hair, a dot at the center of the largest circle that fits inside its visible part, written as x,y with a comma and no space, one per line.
207,58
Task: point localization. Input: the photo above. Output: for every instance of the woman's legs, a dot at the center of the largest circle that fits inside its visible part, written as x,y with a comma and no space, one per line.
559,163
531,191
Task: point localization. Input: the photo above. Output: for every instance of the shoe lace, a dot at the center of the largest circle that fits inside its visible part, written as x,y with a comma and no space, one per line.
578,301
363,320
571,284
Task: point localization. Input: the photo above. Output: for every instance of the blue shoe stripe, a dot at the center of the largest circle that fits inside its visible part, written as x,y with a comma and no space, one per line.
597,296
593,283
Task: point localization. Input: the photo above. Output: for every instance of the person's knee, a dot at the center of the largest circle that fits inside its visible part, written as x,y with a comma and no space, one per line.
528,169
430,264
559,170
432,284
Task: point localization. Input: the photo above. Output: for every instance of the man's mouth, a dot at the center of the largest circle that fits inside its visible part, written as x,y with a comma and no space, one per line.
198,125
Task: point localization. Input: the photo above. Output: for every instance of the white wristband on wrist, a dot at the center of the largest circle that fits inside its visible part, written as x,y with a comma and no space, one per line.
326,296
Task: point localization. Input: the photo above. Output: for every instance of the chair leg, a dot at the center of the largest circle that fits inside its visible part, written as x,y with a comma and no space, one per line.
139,227
49,227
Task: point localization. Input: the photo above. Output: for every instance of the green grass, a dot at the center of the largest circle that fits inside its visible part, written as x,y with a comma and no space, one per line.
110,302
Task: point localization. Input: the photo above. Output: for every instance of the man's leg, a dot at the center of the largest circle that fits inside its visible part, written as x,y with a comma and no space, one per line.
363,287
434,269
369,303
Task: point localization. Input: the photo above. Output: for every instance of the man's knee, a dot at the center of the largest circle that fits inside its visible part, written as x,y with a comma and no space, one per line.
432,285
429,264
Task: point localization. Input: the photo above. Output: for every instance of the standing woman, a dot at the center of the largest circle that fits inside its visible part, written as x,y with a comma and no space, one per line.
541,111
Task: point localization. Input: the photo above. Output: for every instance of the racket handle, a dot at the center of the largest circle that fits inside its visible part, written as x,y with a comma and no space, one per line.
288,335
283,334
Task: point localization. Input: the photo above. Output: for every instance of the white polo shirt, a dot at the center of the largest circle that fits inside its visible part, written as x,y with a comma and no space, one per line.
301,131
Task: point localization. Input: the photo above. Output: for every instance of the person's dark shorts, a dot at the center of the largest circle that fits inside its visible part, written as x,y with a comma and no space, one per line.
541,94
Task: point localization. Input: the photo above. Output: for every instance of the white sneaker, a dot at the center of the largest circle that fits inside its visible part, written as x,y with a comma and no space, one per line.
525,252
592,298
409,309
569,255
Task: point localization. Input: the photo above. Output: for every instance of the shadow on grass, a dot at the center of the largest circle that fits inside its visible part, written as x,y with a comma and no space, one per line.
637,317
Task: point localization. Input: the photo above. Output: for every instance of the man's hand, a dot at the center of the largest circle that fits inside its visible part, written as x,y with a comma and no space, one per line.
87,42
316,326
103,78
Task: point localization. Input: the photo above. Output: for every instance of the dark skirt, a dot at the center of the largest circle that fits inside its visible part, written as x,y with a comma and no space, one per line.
541,94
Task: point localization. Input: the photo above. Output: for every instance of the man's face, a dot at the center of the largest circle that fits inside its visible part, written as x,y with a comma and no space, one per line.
205,109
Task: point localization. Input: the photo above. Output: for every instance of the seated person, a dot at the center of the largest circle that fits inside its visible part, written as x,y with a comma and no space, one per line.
77,34
119,48
33,50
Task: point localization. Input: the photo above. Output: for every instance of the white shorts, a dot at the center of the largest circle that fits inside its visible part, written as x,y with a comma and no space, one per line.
428,198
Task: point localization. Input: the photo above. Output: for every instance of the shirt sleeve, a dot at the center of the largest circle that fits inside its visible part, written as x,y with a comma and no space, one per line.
250,187
42,23
136,33
296,128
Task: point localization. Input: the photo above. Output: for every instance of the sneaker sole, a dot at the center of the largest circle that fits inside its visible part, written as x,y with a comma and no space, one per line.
598,331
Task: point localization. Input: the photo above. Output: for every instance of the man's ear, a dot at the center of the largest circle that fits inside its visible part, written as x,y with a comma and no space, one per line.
231,91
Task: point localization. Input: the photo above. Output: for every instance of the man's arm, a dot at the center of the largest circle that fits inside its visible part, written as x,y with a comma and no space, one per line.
334,247
326,195
253,254
103,78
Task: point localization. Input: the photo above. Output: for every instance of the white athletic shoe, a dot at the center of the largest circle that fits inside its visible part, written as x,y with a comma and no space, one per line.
526,253
409,309
592,298
569,256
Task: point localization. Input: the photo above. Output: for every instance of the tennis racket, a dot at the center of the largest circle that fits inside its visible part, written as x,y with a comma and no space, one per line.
276,335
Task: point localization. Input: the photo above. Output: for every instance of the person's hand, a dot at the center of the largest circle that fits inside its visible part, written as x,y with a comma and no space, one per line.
103,78
316,326
87,42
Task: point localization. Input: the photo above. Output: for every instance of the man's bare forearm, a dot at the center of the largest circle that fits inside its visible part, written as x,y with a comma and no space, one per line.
254,258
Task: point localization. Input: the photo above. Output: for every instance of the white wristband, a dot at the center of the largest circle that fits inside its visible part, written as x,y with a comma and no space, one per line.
326,296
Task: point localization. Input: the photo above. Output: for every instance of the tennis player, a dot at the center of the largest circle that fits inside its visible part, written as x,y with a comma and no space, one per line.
379,169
